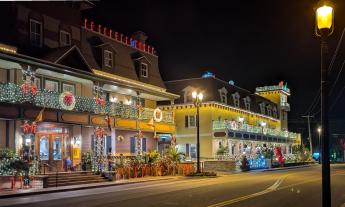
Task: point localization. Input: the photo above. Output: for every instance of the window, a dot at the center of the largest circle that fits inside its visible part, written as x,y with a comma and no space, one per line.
262,108
57,148
65,38
144,71
269,110
246,101
108,58
51,85
236,98
133,145
143,144
275,112
190,121
44,148
35,33
223,95
193,150
38,82
68,87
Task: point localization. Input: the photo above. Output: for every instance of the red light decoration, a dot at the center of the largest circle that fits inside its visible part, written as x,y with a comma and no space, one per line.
118,37
92,25
29,128
99,132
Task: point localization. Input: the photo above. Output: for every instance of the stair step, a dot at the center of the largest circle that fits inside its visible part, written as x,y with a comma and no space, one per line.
75,183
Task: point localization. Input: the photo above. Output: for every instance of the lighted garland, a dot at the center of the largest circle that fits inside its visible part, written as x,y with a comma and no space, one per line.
12,93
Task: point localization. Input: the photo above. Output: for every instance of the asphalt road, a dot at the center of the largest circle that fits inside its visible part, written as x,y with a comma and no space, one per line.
284,188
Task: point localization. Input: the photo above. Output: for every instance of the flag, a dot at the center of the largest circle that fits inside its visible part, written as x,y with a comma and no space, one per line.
39,117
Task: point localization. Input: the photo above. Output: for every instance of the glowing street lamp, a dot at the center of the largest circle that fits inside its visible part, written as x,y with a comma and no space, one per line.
324,27
197,97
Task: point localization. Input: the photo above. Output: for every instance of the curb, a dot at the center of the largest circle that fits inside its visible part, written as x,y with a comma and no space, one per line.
293,167
79,188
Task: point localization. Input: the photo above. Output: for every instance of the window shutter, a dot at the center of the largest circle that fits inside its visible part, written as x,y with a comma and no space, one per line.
132,145
186,121
143,144
187,150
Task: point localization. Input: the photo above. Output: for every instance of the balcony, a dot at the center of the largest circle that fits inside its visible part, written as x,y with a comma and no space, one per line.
11,93
239,127
285,106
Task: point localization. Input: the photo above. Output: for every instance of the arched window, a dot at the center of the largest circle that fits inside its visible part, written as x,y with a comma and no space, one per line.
262,108
275,112
269,110
44,148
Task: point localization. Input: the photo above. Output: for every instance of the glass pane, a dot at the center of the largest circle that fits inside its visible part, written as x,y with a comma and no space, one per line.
44,148
51,85
57,149
68,87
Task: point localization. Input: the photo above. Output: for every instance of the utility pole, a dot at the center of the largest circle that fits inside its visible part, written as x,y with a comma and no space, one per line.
309,132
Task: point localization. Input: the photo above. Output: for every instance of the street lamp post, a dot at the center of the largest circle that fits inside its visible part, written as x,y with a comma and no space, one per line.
197,97
324,27
319,132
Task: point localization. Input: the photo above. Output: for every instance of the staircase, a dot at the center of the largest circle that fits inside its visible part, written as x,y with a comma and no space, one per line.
73,178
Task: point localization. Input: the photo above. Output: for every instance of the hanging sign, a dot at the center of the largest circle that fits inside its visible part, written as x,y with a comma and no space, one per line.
67,100
157,115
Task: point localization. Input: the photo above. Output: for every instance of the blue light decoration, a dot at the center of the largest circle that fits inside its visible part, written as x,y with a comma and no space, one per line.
316,155
231,82
207,74
258,163
133,43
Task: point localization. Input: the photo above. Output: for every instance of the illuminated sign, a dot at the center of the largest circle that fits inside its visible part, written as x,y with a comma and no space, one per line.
280,86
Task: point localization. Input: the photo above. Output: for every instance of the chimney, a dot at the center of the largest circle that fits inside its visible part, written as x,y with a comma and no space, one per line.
140,36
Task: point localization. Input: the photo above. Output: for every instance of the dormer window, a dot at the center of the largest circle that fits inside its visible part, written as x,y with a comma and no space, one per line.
246,101
108,58
262,108
65,38
236,98
275,112
35,33
144,70
223,95
269,110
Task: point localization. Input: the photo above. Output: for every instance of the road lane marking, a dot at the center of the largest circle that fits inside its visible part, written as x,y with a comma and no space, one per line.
273,187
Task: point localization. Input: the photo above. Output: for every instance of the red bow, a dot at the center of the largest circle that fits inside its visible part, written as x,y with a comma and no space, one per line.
68,99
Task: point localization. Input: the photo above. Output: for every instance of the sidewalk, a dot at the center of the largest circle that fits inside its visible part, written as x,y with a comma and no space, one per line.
26,192
285,168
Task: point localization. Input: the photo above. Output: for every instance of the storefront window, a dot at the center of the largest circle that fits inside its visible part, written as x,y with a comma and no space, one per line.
44,148
57,149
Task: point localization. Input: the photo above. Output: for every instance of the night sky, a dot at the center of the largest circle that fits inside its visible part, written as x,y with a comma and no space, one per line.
252,43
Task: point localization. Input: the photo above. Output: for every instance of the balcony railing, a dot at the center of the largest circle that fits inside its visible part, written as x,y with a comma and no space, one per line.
237,126
12,93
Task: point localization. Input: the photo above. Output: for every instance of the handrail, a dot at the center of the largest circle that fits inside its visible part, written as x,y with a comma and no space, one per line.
56,172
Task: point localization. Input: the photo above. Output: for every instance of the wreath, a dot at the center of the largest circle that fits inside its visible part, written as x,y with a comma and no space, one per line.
120,138
67,100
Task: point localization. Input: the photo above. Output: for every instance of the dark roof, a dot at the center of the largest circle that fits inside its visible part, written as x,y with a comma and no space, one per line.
210,87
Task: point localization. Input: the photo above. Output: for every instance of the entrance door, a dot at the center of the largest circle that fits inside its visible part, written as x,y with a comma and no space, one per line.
50,150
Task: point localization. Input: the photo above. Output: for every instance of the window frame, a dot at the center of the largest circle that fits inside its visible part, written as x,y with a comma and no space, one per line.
64,43
146,71
52,80
189,118
31,33
106,59
69,84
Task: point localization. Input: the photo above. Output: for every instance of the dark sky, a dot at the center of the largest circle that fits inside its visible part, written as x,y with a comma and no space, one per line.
254,43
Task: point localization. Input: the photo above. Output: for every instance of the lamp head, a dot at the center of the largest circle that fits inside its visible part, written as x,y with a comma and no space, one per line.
324,18
194,94
200,96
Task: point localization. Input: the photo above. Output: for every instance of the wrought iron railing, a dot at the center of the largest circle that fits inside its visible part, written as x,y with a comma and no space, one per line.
237,126
12,93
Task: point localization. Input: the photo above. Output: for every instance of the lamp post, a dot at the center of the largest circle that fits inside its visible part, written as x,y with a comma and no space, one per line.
197,97
324,27
319,132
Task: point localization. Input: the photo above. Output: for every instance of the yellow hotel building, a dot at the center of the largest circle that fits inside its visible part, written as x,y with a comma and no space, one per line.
231,117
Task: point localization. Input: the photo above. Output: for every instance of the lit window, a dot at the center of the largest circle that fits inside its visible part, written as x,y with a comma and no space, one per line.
65,38
51,85
144,70
68,87
236,98
246,101
223,95
35,33
191,121
108,58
